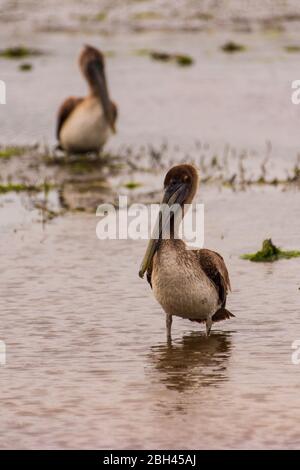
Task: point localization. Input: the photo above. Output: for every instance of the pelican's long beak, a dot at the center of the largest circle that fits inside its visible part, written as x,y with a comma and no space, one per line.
171,205
99,79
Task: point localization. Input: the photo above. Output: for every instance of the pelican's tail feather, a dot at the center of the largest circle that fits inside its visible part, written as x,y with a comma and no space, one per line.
222,314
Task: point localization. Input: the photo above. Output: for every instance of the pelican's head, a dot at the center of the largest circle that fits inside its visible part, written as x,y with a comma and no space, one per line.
92,65
180,187
181,184
91,59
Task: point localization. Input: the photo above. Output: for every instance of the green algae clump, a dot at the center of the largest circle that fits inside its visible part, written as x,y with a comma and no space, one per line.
8,152
270,253
132,185
231,47
18,52
182,60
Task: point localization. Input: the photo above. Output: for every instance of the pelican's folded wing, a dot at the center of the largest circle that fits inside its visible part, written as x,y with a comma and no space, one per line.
214,267
64,112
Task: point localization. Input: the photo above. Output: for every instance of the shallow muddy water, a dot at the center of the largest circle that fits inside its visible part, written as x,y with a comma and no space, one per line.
87,361
88,364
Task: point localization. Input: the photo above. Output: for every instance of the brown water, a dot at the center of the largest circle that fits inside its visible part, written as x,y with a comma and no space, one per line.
88,364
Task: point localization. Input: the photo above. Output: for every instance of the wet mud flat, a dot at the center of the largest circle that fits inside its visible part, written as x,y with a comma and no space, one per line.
82,182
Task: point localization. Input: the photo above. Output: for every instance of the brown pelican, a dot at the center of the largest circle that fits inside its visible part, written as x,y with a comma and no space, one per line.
84,124
187,283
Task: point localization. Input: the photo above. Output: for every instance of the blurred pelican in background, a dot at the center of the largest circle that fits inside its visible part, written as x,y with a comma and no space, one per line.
85,124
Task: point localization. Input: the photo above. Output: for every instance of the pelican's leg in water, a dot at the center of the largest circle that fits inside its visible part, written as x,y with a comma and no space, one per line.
168,325
208,326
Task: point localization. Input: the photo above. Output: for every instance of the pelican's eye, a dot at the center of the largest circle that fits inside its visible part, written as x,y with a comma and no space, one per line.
172,183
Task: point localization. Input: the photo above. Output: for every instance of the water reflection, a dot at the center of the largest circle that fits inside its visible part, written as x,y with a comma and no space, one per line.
191,362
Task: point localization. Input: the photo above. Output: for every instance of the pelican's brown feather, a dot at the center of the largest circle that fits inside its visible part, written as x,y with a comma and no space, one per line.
64,112
114,108
215,268
222,314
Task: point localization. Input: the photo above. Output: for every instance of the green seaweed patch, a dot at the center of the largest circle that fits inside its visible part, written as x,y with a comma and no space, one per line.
146,15
8,152
16,187
85,163
80,163
179,59
270,253
161,56
230,47
82,166
109,53
132,185
182,60
101,16
204,16
292,48
20,187
25,67
19,52
142,52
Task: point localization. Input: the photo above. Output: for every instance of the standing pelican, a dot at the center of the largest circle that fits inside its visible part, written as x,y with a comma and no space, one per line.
187,283
85,124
